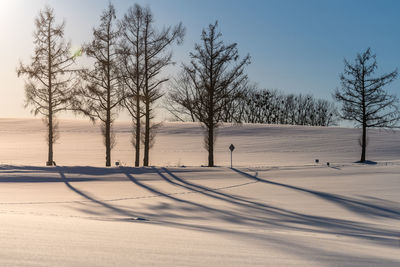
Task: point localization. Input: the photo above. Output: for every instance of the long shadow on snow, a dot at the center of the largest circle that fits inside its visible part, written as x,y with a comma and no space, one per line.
226,215
360,207
290,245
285,218
266,215
30,179
282,242
82,170
279,217
92,199
26,174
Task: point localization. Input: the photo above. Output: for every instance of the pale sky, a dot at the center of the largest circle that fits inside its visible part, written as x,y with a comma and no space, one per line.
297,46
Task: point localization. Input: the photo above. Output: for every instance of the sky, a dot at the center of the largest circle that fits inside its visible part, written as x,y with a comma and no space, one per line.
297,46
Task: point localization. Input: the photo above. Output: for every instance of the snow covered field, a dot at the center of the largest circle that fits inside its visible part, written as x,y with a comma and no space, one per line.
276,207
23,143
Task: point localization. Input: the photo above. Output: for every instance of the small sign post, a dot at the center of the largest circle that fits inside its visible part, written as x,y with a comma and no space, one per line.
231,148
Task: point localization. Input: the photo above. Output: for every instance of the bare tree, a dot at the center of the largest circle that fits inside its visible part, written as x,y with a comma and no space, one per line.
254,105
131,58
100,95
156,58
363,96
273,106
178,100
215,76
48,88
325,113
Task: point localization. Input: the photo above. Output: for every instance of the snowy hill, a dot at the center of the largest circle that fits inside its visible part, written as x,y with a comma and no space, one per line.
22,142
278,208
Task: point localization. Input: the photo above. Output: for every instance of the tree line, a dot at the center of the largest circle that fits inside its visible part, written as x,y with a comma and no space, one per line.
256,105
127,55
127,58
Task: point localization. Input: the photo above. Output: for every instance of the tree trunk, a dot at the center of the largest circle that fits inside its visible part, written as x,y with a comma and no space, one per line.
108,119
108,125
147,136
147,101
50,115
108,128
108,142
50,137
137,145
211,146
364,143
364,121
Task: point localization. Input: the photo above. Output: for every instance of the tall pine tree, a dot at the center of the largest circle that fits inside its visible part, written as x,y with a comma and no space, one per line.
363,96
101,94
50,79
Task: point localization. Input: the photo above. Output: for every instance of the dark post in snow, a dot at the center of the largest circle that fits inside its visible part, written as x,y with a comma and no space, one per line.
231,148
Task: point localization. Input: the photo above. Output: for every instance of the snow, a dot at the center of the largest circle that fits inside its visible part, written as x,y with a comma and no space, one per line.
275,208
178,144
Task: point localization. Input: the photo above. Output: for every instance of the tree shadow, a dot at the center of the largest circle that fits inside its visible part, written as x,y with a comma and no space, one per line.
367,162
172,196
263,215
243,215
244,218
92,199
238,211
81,170
53,179
23,174
360,207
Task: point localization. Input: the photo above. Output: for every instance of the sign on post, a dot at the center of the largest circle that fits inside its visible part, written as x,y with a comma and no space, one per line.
231,148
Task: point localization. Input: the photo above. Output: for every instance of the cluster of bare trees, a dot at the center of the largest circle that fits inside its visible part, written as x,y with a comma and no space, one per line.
253,105
127,57
275,107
